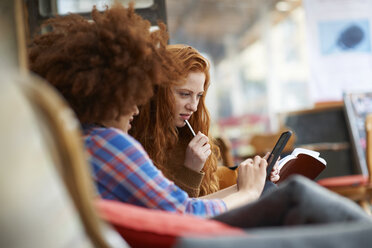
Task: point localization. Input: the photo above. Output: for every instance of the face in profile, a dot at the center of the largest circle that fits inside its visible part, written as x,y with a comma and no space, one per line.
187,97
124,121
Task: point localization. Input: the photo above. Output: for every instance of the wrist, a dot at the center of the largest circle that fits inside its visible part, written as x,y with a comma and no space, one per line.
190,175
250,195
194,168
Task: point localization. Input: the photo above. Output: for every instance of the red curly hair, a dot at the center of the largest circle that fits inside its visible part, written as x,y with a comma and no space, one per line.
154,126
105,65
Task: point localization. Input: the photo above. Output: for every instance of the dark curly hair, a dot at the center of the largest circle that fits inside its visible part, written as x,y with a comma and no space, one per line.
105,65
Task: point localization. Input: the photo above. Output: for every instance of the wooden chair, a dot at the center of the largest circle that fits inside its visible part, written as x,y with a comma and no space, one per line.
224,145
356,187
46,188
263,143
226,171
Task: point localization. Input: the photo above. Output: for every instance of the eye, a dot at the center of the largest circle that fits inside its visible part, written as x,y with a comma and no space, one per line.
184,94
200,96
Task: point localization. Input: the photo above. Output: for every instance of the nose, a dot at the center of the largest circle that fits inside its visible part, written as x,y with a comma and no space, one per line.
135,110
192,104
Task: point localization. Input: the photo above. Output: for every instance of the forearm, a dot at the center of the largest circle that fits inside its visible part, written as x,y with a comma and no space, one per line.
222,193
239,199
232,197
172,198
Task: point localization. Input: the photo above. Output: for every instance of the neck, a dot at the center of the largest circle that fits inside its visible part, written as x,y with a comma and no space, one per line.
113,124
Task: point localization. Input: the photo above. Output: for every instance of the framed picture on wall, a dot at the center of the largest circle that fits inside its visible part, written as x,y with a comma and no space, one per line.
357,106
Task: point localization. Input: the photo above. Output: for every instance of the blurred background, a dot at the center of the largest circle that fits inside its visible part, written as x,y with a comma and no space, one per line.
257,49
258,53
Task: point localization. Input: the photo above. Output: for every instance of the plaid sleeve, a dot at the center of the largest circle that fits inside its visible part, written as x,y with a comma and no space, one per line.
123,171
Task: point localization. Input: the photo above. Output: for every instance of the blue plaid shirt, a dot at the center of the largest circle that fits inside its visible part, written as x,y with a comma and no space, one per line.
123,171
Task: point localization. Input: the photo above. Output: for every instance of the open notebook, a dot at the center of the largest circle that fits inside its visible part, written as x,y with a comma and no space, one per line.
301,161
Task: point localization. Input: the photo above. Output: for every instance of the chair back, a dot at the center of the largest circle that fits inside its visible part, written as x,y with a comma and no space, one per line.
224,145
45,185
263,143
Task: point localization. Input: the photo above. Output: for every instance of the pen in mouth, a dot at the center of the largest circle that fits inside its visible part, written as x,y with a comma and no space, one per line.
189,126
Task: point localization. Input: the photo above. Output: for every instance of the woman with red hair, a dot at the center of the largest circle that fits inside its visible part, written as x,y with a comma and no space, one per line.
191,162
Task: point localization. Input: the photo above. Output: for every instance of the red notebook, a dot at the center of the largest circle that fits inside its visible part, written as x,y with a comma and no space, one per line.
301,161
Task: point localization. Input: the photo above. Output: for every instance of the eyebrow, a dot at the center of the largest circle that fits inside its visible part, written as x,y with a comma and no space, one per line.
189,90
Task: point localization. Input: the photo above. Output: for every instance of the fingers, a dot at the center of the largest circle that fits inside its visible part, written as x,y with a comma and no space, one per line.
275,168
266,156
274,174
197,152
248,161
207,153
275,178
201,142
206,149
257,161
252,174
263,164
199,139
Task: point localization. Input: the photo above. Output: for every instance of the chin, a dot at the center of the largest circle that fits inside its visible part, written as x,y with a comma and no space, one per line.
180,124
126,129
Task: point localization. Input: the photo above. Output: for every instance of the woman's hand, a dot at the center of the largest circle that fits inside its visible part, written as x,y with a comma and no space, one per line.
197,152
252,176
251,181
274,174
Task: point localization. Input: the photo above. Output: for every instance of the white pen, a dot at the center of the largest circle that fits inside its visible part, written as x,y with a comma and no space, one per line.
192,131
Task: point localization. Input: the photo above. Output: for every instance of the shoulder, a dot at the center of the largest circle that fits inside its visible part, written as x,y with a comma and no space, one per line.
112,137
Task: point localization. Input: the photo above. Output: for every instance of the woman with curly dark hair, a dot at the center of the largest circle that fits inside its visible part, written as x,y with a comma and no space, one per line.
104,68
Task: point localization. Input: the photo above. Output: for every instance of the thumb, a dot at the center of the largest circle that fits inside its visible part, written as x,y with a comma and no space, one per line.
266,155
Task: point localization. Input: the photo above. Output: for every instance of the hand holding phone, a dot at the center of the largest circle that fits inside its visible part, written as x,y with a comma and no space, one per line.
277,150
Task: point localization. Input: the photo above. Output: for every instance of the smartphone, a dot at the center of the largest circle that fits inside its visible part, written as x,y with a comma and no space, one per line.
277,150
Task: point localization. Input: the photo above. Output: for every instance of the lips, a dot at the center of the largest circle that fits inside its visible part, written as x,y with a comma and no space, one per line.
185,116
